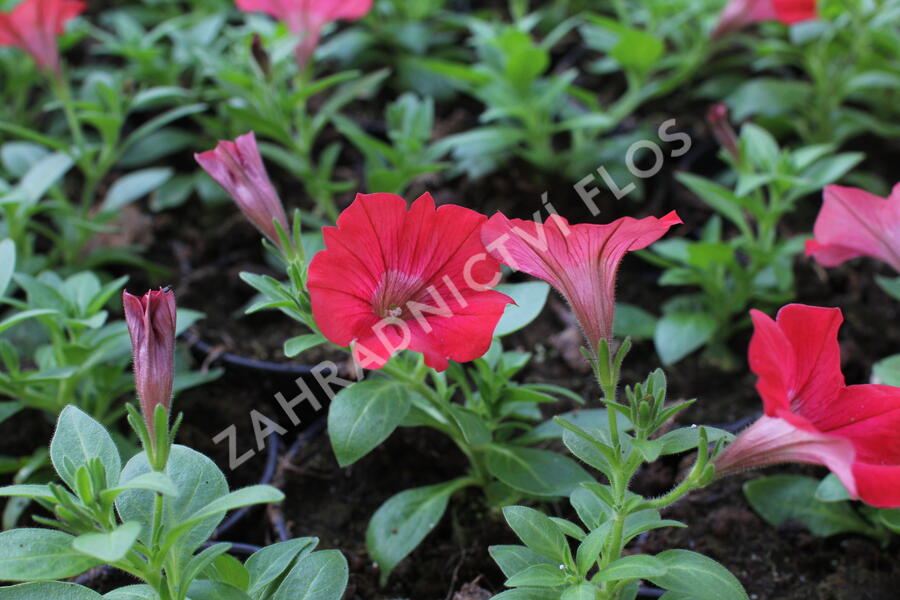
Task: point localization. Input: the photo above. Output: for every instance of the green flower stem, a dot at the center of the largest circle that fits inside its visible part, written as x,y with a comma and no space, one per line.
440,404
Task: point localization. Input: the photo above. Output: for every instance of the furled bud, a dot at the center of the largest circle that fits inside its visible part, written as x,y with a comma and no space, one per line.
717,117
151,323
238,167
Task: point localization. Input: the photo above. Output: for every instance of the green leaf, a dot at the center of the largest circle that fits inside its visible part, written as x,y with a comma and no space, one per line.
7,263
891,285
680,333
9,409
638,566
225,568
779,498
153,481
512,558
530,298
302,343
760,147
33,491
582,591
589,550
134,186
539,533
694,576
687,438
49,590
637,50
632,321
720,199
214,590
589,418
887,371
29,554
42,176
768,96
534,471
248,496
538,576
831,490
317,576
269,564
525,593
110,546
199,482
132,592
364,415
78,439
24,316
473,426
401,523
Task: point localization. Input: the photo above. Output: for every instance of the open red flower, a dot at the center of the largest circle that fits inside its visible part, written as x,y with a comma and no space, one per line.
740,13
580,261
306,18
239,169
855,223
151,323
394,279
33,26
811,416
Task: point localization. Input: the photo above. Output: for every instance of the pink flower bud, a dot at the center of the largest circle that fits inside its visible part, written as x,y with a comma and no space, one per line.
33,26
151,323
717,117
238,167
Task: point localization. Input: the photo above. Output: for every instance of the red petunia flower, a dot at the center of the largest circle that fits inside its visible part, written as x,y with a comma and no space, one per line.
394,279
740,13
306,18
811,416
855,223
239,169
151,323
33,26
580,261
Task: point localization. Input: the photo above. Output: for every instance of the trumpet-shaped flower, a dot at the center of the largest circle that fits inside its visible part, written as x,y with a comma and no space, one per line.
33,25
580,261
394,279
811,416
151,323
737,14
306,18
855,223
239,169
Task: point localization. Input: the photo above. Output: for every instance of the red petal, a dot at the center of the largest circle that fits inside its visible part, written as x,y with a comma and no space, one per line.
878,485
794,11
797,359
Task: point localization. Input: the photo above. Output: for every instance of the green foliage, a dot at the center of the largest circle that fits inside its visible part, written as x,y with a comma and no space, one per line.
150,524
751,267
820,506
611,515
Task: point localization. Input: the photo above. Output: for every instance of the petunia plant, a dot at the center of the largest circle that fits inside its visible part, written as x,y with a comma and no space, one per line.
281,96
812,416
151,518
851,223
95,112
740,259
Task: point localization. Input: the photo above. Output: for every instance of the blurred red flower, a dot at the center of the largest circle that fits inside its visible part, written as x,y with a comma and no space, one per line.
855,223
306,18
151,323
740,13
811,416
394,279
33,26
238,167
580,261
